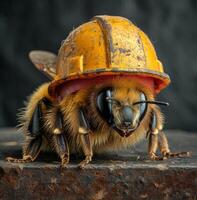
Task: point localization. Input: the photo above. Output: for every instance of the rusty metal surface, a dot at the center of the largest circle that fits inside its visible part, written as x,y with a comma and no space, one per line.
124,175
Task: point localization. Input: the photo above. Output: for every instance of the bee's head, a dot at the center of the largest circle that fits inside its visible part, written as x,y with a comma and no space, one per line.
123,108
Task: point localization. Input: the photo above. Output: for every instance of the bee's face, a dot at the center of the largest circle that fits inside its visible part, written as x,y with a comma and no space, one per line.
121,108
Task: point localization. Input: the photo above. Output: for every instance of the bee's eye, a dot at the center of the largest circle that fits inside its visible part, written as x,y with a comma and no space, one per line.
143,106
104,105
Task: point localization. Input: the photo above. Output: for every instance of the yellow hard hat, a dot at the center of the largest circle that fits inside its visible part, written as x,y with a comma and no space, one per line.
105,46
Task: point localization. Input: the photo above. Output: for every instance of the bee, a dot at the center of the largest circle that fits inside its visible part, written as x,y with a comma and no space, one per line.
101,97
98,118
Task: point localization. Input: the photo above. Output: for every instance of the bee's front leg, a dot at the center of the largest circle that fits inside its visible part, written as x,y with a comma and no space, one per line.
85,132
152,147
158,139
59,140
154,126
33,140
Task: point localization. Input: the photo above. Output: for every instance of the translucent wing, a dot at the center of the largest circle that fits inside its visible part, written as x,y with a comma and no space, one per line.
44,61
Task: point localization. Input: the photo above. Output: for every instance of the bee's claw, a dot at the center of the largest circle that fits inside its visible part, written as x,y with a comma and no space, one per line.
64,163
167,155
153,156
85,162
16,160
174,155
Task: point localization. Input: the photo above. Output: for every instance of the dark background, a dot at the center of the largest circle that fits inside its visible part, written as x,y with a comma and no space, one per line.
42,24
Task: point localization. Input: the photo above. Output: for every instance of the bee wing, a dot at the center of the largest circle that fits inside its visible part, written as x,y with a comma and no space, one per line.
44,61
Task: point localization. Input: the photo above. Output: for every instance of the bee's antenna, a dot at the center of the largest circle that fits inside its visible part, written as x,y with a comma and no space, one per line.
153,102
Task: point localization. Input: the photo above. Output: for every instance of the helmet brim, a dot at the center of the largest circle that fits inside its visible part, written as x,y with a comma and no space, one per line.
161,80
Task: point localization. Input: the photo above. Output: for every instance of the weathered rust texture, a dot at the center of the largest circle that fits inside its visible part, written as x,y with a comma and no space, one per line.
126,175
97,183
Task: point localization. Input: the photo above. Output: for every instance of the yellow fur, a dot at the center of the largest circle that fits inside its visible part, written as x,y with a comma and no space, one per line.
27,112
105,139
33,100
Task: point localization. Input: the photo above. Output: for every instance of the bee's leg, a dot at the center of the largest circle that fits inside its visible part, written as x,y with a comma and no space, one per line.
87,149
152,146
85,132
164,148
158,138
60,142
31,150
61,147
153,137
33,141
